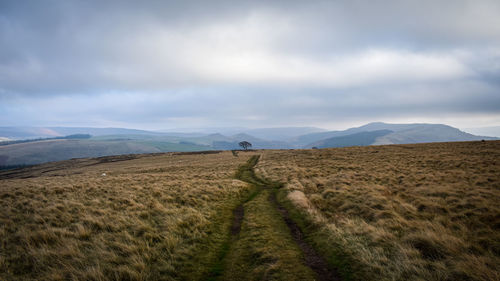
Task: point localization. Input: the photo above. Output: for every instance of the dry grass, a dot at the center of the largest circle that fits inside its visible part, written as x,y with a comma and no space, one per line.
415,212
160,217
399,212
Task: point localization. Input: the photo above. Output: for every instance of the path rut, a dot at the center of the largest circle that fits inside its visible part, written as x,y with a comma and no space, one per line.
238,213
311,258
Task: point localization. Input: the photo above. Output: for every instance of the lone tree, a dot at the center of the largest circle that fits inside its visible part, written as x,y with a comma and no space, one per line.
245,144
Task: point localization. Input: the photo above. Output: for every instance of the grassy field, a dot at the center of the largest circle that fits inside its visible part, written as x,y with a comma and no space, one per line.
399,212
159,217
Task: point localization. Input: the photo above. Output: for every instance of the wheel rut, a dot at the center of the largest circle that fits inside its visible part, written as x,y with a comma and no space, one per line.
238,213
310,257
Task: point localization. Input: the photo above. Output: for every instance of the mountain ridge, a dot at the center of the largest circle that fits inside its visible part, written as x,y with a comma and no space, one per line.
401,133
131,141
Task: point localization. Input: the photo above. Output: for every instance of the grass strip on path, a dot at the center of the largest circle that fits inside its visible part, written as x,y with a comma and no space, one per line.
264,244
265,250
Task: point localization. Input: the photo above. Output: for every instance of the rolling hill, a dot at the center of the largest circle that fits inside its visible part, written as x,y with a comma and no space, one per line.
421,133
55,150
47,132
399,134
116,141
356,139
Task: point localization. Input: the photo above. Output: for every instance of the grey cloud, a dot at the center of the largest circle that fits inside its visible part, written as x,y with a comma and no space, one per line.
250,106
246,62
72,46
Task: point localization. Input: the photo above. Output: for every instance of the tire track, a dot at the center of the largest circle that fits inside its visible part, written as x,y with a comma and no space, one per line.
238,214
311,258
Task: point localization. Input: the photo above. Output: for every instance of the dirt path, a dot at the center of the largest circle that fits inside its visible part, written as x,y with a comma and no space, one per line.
265,242
238,214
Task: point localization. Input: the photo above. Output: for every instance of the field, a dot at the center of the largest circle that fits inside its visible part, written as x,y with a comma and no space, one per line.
158,217
398,212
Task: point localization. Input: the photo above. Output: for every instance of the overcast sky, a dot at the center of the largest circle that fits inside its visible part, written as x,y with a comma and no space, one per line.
168,64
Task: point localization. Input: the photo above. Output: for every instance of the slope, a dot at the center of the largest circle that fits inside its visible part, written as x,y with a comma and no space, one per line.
357,139
402,133
56,150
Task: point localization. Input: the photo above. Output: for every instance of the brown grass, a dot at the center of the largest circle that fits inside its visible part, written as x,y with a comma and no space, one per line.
399,212
159,217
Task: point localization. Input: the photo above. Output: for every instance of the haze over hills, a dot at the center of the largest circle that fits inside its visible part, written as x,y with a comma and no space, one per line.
47,132
379,133
281,133
115,141
493,131
356,139
277,133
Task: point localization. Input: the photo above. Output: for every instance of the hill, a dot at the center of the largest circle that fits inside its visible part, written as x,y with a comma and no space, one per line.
35,151
356,139
256,142
117,141
401,134
47,132
62,149
283,134
275,134
420,133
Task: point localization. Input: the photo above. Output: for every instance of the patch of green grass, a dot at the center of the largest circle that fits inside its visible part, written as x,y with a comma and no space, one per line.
246,173
265,249
209,261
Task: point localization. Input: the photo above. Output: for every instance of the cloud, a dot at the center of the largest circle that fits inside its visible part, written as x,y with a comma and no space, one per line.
251,62
358,69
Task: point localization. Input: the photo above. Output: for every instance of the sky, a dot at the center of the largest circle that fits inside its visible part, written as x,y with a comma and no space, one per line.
191,64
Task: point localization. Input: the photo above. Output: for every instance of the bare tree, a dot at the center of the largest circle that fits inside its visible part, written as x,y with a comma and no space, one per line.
245,144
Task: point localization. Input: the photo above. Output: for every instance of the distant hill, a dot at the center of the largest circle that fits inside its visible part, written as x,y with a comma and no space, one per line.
15,133
282,134
24,147
62,149
277,134
233,143
356,139
69,137
305,140
394,134
421,133
47,132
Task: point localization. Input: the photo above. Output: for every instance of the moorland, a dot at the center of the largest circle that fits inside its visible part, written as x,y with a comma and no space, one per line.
392,212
